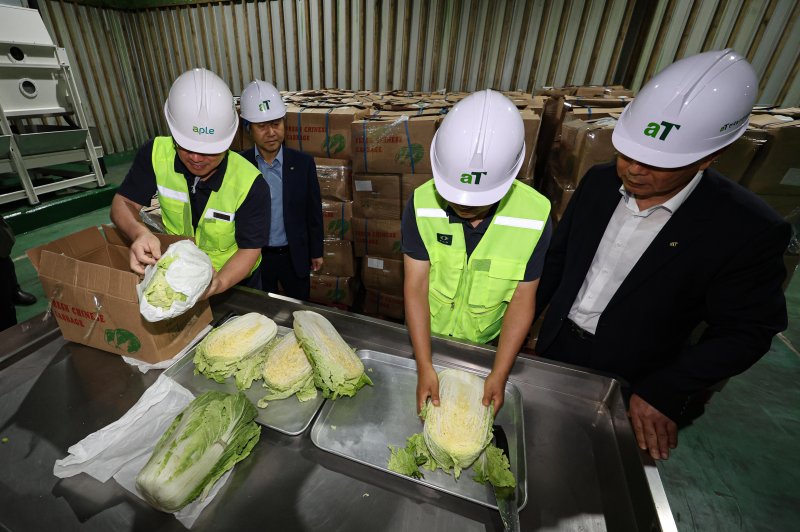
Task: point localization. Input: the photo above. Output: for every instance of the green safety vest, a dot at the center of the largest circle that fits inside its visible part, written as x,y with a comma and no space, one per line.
216,230
468,298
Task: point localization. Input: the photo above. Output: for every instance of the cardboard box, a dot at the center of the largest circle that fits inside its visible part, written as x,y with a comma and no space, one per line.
736,158
321,131
775,169
334,178
337,220
383,305
338,259
377,196
409,182
332,290
582,145
94,299
377,237
531,123
382,275
390,142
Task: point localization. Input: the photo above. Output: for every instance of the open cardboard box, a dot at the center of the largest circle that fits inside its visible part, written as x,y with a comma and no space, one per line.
92,291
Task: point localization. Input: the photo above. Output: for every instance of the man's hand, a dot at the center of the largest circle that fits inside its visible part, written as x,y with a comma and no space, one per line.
655,432
316,264
213,287
145,250
427,386
494,391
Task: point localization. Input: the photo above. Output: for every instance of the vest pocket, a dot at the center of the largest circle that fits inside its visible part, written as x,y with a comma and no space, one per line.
496,285
219,235
444,279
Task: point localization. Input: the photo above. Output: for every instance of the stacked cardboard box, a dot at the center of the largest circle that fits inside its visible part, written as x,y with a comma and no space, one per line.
336,283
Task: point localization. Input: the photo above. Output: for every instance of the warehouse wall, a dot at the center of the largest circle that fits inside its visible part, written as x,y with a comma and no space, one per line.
126,60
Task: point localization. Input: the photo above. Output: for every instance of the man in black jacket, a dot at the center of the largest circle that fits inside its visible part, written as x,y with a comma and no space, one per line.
657,244
295,237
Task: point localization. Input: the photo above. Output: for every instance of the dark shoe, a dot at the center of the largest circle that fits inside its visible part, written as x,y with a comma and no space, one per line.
23,298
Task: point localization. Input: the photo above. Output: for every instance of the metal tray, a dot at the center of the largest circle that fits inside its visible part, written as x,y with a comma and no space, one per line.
361,428
288,416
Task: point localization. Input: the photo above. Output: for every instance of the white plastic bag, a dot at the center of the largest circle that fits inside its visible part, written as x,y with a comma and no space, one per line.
189,273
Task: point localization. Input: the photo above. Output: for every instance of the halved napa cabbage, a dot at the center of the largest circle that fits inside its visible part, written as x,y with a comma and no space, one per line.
337,369
233,345
456,434
287,371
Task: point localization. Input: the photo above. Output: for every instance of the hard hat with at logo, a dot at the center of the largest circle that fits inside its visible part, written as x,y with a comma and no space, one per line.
261,102
200,112
689,110
478,150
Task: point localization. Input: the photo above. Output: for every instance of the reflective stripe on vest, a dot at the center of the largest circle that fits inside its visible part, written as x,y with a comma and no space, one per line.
216,230
468,298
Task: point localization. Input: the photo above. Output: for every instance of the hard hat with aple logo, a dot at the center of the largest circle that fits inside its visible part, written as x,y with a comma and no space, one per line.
689,110
200,112
261,102
478,150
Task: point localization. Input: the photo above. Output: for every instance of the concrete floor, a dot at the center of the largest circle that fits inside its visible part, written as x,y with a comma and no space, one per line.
735,469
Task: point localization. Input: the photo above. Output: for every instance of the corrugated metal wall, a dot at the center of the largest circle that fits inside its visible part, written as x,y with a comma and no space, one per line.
126,60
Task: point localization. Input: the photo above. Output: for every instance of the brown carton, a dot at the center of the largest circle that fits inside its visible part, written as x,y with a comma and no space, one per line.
321,131
94,300
383,305
374,236
410,182
390,142
334,178
337,220
382,275
531,122
736,158
581,146
332,290
377,196
338,259
775,169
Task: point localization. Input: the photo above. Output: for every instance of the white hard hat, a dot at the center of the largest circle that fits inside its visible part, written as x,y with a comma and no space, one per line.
478,150
261,102
200,112
689,110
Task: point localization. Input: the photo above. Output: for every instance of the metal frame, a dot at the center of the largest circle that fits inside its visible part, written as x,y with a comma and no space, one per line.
20,163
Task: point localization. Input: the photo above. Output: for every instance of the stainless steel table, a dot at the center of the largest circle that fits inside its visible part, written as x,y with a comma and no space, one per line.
584,469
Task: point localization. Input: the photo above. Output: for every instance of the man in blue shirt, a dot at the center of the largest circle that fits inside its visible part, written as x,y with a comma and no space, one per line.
295,236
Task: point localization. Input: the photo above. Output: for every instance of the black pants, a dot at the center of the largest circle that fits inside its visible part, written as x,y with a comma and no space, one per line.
277,268
8,285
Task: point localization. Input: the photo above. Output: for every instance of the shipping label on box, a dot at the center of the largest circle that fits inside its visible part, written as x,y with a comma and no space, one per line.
322,131
334,178
374,236
332,290
337,220
393,143
382,274
94,299
376,196
409,183
338,259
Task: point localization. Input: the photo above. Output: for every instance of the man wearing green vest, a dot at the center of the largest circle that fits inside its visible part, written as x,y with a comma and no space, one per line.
474,241
204,190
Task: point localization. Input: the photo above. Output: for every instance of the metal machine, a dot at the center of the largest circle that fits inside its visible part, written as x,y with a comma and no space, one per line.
36,82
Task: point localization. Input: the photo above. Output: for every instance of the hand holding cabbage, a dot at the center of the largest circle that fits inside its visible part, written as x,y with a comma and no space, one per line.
456,435
175,283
